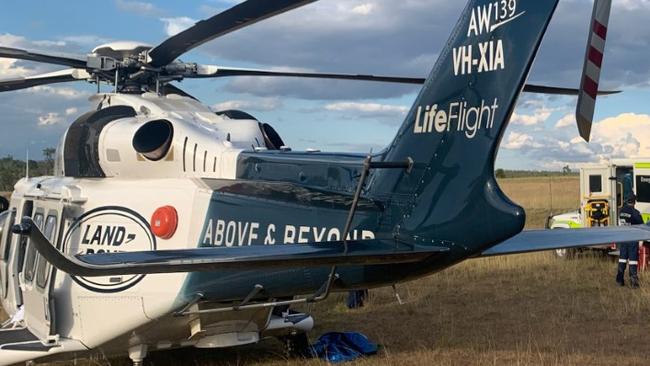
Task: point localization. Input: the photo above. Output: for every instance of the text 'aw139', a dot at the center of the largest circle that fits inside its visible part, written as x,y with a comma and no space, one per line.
167,225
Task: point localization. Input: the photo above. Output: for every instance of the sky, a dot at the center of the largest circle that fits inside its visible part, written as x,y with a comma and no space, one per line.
385,37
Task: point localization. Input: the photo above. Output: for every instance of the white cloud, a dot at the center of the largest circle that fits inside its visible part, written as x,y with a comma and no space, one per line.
86,40
260,104
367,108
540,115
49,119
10,70
48,43
626,135
567,120
12,40
176,25
516,141
632,4
138,7
67,93
363,9
71,111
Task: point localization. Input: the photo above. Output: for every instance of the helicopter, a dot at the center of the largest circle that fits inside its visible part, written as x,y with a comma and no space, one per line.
167,225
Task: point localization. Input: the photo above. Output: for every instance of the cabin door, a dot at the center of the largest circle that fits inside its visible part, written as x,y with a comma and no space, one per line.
12,250
6,220
37,278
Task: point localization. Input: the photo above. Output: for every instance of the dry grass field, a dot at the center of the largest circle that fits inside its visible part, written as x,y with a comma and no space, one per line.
517,310
542,196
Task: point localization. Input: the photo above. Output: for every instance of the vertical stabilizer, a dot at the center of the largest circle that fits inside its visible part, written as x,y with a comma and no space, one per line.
453,130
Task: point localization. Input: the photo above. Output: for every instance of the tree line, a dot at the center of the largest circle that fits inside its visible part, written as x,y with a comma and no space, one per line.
12,170
504,173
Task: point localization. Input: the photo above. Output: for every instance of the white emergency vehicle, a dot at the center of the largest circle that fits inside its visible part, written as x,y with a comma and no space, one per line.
603,190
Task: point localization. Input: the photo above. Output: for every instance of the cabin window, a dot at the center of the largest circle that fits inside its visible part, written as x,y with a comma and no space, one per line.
28,207
595,183
643,188
30,257
43,265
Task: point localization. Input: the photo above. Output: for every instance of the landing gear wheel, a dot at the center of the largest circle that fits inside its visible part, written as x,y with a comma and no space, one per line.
296,345
566,253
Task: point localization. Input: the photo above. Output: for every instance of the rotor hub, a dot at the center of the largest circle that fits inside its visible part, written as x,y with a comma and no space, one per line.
121,50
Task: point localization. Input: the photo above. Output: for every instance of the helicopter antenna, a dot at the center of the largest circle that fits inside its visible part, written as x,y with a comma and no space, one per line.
117,76
27,163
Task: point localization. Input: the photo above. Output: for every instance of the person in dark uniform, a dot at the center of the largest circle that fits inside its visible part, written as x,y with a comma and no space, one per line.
356,298
629,251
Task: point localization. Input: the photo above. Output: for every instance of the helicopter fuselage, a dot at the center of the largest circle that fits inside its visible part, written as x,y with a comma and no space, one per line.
224,196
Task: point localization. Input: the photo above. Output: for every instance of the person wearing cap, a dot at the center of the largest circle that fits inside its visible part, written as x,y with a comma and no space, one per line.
629,251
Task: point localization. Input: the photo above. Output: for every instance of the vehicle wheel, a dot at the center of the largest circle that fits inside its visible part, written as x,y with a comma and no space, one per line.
566,253
296,345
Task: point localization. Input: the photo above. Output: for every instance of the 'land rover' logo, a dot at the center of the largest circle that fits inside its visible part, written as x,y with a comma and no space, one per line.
109,229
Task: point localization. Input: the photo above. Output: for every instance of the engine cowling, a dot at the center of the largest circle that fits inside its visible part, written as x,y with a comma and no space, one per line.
155,142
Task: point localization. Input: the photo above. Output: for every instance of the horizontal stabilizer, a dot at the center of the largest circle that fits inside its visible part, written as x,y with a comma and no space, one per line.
539,240
366,252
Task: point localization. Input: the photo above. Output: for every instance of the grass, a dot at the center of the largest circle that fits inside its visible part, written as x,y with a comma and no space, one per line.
519,310
528,309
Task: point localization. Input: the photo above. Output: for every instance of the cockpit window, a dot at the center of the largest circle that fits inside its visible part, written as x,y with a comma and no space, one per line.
4,241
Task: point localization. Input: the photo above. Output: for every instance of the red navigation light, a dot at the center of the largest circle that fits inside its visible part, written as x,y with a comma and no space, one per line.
164,222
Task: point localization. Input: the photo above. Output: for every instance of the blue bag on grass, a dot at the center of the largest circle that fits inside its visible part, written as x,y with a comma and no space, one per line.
338,347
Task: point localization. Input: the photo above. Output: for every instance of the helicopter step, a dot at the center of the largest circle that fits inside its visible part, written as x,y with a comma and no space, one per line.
10,337
20,345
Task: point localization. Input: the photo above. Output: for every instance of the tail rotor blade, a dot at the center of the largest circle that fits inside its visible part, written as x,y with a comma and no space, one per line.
592,67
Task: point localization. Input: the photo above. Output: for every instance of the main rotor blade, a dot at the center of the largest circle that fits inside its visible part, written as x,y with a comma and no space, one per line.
75,61
239,16
211,71
542,89
44,79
